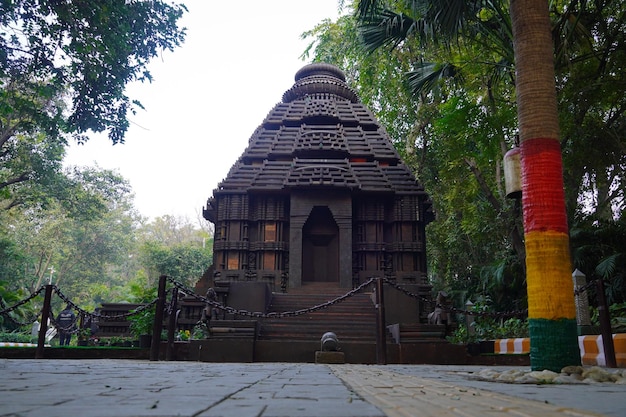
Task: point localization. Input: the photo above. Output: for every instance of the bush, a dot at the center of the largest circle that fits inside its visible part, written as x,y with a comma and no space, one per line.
488,328
618,317
15,337
142,322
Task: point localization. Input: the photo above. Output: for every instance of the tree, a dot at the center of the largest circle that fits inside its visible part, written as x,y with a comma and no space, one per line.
599,249
591,87
75,235
171,230
79,55
551,308
64,66
28,165
453,135
184,262
85,237
172,246
485,26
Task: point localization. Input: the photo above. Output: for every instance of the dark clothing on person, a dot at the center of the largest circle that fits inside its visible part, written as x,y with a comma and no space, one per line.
66,321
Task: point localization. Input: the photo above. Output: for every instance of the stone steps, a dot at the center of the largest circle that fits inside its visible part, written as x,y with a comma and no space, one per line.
353,319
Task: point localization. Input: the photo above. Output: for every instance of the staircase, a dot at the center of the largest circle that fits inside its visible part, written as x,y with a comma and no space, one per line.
352,320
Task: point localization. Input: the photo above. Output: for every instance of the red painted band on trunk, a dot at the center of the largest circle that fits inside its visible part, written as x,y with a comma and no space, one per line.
543,197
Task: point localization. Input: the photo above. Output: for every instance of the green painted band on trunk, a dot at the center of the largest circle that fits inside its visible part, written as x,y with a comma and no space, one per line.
553,344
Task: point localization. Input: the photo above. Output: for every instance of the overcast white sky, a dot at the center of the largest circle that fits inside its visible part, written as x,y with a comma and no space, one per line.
206,100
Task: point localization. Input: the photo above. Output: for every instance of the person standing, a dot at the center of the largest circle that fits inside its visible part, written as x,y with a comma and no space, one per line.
66,323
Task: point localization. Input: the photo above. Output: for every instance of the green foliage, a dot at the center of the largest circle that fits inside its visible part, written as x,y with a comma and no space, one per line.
488,328
14,337
599,251
64,68
29,167
88,240
83,334
200,331
142,322
173,247
11,322
440,78
119,341
184,262
85,226
140,292
617,312
12,260
86,51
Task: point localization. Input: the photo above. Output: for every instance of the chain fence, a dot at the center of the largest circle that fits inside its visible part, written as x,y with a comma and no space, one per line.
97,315
581,290
271,315
6,311
72,328
448,309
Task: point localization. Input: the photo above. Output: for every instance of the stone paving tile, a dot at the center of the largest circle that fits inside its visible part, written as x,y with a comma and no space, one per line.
110,388
604,399
398,394
235,410
296,391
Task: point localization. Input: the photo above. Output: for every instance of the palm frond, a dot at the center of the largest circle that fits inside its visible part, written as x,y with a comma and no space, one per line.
500,71
426,76
385,29
450,15
497,31
607,267
367,8
570,36
438,21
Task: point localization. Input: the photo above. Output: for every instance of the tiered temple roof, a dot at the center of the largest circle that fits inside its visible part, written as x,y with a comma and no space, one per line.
320,135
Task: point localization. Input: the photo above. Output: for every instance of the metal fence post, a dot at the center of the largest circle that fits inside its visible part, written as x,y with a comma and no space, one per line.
158,320
605,327
45,315
171,326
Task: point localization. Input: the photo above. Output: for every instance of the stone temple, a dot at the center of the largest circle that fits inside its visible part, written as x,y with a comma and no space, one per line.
319,198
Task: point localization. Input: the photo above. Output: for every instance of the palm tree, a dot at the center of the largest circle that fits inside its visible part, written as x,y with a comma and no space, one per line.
551,308
550,289
440,23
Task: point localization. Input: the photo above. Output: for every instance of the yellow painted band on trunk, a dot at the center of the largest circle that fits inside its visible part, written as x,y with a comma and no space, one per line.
549,276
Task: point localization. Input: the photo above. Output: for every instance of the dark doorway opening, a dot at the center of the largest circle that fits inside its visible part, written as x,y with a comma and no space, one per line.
320,247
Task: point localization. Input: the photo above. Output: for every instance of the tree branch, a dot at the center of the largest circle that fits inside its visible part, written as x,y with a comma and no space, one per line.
21,178
495,203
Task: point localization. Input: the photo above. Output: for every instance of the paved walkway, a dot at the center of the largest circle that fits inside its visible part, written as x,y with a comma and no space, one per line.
120,388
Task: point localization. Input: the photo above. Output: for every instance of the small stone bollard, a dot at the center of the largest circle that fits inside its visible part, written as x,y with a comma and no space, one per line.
329,342
329,352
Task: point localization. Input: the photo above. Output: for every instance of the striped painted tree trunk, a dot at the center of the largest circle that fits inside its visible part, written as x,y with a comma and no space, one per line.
551,308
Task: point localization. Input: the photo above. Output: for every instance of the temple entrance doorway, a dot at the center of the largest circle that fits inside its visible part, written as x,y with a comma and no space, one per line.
320,247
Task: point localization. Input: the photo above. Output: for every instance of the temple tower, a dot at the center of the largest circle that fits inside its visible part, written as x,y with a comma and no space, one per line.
320,195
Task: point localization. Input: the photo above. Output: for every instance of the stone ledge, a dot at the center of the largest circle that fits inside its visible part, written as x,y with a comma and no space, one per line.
330,357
